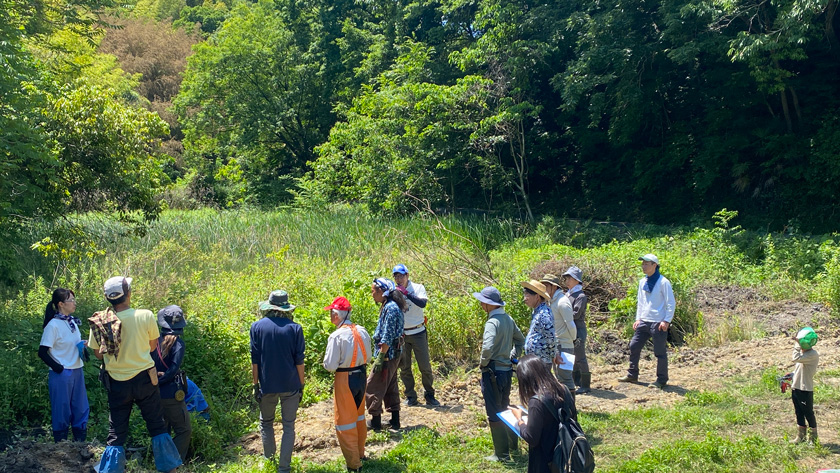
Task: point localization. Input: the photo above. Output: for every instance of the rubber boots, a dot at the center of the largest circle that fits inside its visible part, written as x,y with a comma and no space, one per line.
800,436
576,377
812,436
585,383
513,441
395,420
375,423
79,435
501,449
59,435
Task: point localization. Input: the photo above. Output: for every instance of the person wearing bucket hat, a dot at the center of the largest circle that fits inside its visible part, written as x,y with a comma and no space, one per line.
502,341
382,385
655,307
416,339
277,355
572,280
540,339
802,394
168,358
347,355
124,338
565,331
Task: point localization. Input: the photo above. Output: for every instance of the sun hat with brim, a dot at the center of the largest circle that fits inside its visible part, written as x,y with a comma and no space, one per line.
171,318
490,295
537,287
574,272
649,257
277,300
551,279
340,303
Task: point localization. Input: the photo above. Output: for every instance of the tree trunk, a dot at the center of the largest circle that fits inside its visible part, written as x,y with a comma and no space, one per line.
786,110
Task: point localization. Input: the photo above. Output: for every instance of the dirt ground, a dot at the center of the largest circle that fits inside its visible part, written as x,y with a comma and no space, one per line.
708,368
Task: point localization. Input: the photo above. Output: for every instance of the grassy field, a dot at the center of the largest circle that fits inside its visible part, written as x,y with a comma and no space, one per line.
219,265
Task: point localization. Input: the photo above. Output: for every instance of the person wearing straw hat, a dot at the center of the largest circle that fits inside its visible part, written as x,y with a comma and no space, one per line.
416,339
572,280
277,355
655,307
565,331
540,339
382,385
347,355
502,341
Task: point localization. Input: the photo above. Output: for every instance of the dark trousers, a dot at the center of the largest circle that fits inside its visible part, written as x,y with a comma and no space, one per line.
581,363
645,331
178,419
803,405
495,389
122,397
382,388
419,344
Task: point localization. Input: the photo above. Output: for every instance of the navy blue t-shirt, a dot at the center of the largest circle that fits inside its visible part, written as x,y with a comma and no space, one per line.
277,348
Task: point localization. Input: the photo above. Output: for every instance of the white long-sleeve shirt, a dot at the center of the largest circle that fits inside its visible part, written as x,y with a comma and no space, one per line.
340,347
658,305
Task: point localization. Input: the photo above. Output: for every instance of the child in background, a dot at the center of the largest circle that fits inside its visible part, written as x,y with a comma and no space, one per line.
806,359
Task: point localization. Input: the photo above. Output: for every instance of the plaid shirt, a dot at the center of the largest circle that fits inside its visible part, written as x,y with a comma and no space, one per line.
540,340
389,329
105,326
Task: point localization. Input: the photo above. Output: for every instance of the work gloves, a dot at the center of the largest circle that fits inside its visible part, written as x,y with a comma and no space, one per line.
257,392
379,363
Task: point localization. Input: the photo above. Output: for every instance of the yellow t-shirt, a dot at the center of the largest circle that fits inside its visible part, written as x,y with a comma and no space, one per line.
137,329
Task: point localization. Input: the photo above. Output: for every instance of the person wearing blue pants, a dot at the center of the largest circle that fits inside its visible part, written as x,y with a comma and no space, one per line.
63,350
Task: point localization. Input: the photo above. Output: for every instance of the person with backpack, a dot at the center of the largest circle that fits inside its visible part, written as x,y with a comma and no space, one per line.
551,429
168,358
63,350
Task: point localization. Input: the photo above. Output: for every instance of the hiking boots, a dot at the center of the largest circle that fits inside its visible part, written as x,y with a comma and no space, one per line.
657,385
79,435
431,401
628,379
800,435
375,423
411,402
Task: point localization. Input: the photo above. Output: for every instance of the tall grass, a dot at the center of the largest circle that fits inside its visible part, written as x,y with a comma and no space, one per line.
218,265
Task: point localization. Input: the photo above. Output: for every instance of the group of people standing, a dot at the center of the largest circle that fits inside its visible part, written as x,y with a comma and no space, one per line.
141,358
277,365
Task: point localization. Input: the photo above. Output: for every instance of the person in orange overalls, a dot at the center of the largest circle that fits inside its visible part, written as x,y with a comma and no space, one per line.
348,352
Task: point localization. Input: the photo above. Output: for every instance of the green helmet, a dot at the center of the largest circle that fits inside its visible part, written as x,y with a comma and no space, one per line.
807,338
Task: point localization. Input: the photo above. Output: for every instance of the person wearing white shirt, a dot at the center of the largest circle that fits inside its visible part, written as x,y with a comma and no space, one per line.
347,355
655,307
565,331
416,339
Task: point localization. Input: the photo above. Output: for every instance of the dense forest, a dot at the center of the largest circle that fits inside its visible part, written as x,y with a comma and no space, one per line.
658,111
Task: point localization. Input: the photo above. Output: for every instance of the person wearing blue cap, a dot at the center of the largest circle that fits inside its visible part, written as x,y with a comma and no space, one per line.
502,341
63,350
655,307
416,339
387,339
168,358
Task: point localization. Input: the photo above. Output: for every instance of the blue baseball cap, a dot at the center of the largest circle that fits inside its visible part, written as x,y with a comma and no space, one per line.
400,269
